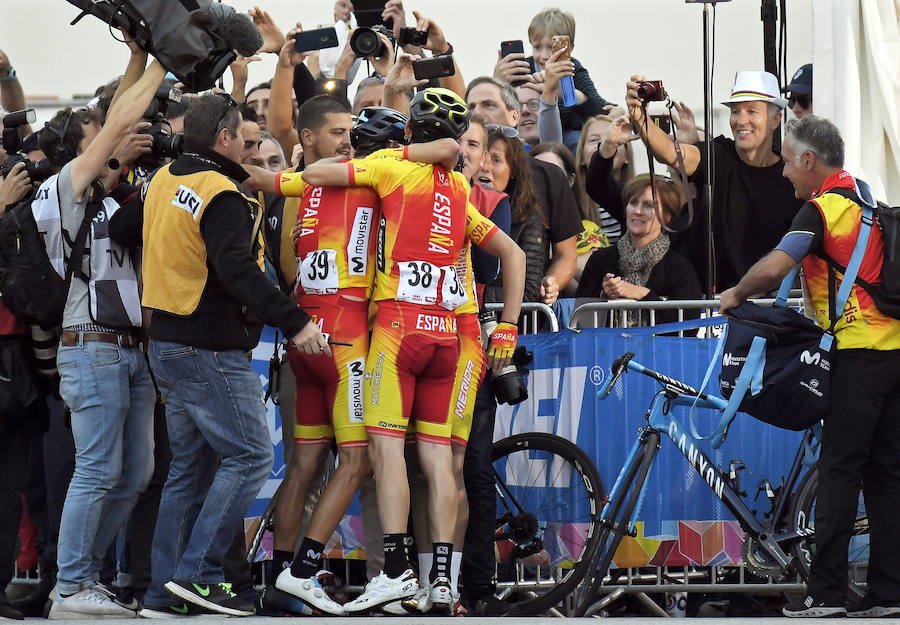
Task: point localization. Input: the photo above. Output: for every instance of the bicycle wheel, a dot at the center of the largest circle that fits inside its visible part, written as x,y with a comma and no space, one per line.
549,497
803,518
266,525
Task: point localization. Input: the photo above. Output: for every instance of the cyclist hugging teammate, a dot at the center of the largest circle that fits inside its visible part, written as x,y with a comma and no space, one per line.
416,271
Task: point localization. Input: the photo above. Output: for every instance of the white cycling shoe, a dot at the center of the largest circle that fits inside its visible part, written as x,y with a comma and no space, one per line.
310,591
382,590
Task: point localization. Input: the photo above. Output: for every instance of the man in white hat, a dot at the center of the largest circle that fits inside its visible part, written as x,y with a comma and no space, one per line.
753,205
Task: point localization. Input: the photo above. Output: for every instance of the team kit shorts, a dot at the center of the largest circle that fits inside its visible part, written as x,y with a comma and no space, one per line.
330,389
413,359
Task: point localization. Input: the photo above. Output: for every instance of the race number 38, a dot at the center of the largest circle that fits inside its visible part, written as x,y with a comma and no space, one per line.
318,272
418,282
423,283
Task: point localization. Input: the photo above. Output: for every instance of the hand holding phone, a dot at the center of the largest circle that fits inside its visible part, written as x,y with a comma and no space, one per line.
318,39
566,83
515,70
438,66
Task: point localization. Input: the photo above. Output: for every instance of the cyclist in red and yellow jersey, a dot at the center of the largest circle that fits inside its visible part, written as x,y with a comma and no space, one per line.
426,217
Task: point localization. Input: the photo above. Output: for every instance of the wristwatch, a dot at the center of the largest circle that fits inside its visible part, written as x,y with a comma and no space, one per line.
11,76
449,48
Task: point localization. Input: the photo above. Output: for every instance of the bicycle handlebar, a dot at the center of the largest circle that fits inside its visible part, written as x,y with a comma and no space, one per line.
626,361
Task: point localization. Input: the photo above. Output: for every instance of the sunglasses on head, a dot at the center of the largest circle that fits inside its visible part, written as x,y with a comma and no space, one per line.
803,99
508,131
229,104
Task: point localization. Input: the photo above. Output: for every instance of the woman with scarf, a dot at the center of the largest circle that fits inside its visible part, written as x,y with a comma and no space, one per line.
641,265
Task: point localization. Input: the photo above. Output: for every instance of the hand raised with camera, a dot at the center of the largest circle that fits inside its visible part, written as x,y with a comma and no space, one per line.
512,68
382,65
437,43
632,100
619,133
273,37
310,340
400,78
343,9
288,57
14,187
133,145
685,124
393,10
346,60
555,69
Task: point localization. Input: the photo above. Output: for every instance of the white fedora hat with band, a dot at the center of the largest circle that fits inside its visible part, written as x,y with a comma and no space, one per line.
755,86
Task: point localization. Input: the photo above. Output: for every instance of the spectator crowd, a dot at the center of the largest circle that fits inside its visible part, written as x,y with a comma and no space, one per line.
369,226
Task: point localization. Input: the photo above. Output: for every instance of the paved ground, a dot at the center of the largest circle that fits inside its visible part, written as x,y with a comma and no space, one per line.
259,620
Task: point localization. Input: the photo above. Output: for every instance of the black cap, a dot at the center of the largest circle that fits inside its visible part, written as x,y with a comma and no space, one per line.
801,82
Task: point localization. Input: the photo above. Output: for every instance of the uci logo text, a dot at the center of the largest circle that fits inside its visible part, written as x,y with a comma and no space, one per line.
187,199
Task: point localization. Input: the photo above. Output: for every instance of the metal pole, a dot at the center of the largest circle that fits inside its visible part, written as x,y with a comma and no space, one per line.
710,157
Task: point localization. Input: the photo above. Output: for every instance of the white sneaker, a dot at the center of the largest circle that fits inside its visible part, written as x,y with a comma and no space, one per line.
383,589
421,601
310,591
87,604
441,597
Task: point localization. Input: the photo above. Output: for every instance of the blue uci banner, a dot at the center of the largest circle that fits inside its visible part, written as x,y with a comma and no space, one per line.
681,521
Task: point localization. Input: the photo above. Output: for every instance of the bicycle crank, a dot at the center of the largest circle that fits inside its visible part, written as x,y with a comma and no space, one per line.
758,561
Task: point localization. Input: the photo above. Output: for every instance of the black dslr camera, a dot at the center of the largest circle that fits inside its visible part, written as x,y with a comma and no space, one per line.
366,42
165,144
12,143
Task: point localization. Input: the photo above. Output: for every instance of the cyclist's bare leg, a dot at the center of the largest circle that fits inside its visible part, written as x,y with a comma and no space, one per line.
436,461
305,465
352,470
462,507
386,456
418,503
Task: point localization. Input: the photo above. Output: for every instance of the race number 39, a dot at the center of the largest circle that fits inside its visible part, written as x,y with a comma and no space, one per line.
318,272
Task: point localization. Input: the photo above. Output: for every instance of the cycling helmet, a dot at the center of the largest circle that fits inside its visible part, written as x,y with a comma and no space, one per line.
377,125
437,113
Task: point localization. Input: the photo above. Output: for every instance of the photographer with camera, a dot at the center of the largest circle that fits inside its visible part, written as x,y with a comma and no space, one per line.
752,203
104,378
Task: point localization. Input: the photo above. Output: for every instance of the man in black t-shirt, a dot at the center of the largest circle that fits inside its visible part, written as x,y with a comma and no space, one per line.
752,204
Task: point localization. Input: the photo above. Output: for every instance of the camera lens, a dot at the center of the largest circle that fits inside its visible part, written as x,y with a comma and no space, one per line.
365,42
509,388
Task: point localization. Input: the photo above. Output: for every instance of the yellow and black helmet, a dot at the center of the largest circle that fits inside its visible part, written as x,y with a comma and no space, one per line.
436,113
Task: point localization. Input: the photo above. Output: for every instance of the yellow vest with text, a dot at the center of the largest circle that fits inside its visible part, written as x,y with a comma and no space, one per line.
174,259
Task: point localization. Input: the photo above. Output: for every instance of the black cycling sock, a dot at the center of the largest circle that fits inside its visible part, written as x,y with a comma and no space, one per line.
441,565
409,547
280,560
395,559
309,558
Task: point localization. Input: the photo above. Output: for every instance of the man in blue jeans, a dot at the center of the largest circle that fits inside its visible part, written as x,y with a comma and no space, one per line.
104,378
204,281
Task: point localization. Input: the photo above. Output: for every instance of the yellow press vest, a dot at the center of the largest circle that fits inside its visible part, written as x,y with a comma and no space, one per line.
174,258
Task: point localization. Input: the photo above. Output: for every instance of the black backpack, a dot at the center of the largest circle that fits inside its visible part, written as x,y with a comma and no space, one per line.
29,285
886,294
